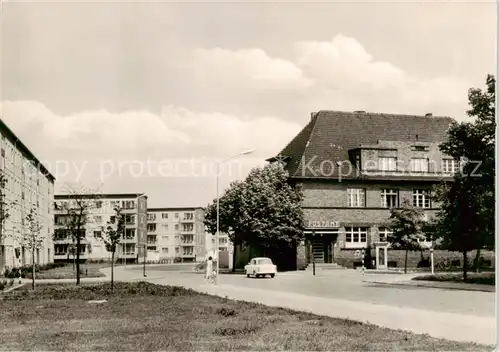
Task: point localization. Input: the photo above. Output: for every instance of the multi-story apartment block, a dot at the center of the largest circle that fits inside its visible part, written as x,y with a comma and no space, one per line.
176,234
29,185
353,168
133,242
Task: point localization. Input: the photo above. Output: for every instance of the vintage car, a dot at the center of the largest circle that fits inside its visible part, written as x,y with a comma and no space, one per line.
260,267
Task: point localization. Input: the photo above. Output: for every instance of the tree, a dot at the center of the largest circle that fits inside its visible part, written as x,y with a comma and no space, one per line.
77,209
466,220
263,211
406,225
32,238
111,236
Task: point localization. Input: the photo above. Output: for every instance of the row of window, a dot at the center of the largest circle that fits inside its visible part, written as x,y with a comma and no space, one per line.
419,164
357,236
185,227
389,198
186,216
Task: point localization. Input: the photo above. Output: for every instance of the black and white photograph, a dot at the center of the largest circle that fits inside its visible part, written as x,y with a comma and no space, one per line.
248,175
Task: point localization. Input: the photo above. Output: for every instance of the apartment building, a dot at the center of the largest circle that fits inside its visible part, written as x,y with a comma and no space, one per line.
176,235
133,243
353,168
29,185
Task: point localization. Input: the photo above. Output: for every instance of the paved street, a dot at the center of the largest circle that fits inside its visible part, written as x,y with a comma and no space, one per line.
347,285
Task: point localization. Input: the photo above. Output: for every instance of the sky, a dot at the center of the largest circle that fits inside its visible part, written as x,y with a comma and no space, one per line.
150,97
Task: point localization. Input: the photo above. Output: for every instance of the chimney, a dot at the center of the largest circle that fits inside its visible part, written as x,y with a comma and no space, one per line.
429,114
313,115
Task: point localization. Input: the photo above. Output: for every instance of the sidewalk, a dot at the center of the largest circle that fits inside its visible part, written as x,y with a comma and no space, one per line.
407,281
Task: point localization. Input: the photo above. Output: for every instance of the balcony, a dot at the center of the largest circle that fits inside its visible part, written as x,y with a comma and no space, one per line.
129,239
188,255
186,220
187,243
186,232
64,256
127,255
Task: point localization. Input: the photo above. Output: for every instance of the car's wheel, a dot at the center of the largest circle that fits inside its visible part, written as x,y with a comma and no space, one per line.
272,276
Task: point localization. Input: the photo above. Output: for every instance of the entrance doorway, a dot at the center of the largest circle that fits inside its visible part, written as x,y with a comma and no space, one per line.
321,246
381,256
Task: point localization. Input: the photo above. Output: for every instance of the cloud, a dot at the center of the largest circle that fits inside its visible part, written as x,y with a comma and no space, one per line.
339,74
178,143
253,65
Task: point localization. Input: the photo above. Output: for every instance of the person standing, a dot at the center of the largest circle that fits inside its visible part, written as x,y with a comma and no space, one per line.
209,268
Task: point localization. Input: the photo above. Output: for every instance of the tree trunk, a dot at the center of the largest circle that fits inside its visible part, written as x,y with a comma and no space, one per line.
112,269
78,241
234,259
477,259
465,265
33,269
406,260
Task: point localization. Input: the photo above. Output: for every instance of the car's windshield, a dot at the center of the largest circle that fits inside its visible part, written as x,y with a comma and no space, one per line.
265,261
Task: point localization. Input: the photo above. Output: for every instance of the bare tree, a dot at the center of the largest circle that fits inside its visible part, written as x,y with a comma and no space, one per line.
112,234
80,202
32,238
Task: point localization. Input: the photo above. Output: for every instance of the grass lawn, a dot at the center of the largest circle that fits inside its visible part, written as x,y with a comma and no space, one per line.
144,316
487,278
67,271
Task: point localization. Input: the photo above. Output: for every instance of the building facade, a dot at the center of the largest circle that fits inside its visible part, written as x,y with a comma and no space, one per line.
28,185
353,168
176,235
101,209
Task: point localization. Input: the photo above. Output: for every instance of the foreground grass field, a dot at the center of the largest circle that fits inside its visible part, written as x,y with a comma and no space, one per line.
487,278
143,316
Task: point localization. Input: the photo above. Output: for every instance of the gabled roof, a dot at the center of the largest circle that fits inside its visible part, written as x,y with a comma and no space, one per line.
329,135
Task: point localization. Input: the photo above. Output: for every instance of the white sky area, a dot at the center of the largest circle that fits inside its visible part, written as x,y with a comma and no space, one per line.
147,97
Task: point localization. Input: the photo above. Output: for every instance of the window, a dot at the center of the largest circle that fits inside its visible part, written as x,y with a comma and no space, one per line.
384,233
98,204
128,204
97,234
419,164
165,226
129,234
389,198
98,218
164,250
176,250
187,227
188,216
421,198
164,215
449,166
129,219
355,197
151,227
387,163
151,216
114,204
176,215
176,228
355,237
151,248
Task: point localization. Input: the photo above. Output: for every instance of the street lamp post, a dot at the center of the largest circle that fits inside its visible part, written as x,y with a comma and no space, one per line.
217,232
